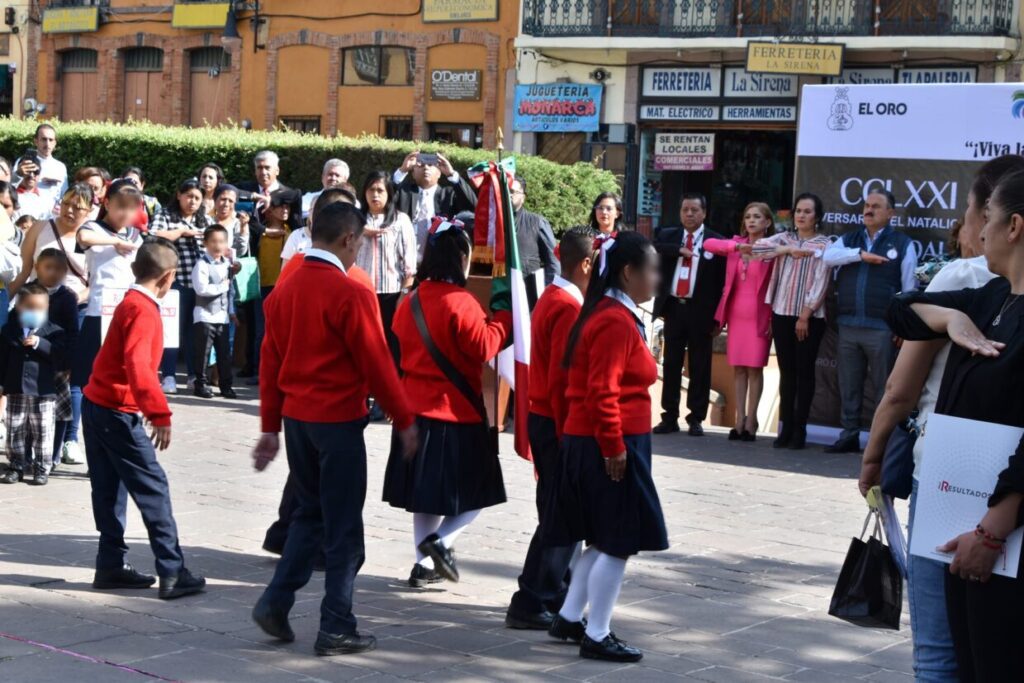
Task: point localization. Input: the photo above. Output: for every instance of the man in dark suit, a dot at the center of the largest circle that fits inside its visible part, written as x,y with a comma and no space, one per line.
536,242
691,287
421,196
266,165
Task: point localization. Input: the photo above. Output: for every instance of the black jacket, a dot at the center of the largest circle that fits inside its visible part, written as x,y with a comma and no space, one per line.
448,199
64,314
248,188
536,242
30,372
710,274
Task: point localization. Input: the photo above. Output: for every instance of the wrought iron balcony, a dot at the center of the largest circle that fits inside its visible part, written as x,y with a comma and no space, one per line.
760,18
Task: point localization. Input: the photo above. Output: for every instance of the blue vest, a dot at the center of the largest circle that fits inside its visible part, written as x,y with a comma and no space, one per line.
865,290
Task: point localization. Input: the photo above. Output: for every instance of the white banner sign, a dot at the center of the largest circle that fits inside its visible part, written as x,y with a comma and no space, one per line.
682,82
739,83
684,152
168,313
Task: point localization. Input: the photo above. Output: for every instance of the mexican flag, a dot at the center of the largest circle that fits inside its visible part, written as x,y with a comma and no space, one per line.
494,210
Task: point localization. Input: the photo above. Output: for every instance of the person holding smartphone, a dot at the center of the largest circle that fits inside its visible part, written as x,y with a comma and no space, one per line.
421,196
53,174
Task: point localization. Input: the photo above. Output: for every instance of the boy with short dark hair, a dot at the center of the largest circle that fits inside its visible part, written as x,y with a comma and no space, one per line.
123,390
211,280
31,351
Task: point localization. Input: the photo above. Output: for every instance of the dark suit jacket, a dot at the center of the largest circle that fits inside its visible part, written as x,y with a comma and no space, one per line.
27,371
248,188
536,242
710,273
448,199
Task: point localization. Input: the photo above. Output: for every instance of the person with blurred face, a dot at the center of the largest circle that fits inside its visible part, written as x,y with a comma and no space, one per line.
335,173
421,195
53,174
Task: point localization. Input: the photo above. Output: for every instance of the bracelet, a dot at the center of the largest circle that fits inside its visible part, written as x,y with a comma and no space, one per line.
992,546
980,531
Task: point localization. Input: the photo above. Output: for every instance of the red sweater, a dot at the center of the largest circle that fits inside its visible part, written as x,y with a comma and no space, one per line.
324,351
551,323
461,331
124,374
610,378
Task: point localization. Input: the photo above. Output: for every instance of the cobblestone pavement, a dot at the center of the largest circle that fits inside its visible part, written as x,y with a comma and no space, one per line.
757,538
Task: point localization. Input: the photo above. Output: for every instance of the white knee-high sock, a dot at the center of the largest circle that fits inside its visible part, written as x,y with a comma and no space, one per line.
422,526
603,586
576,598
454,525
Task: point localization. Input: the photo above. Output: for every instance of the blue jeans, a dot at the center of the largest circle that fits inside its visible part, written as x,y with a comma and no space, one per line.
71,431
186,308
934,656
328,473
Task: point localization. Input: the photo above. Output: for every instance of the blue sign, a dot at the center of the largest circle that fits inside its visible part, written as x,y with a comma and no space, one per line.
557,108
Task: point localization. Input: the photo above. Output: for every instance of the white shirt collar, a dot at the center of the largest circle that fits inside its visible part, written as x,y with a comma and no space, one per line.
149,294
324,255
562,283
428,191
698,234
624,299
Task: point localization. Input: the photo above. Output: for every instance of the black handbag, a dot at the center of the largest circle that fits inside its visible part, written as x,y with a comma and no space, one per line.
898,460
869,591
451,372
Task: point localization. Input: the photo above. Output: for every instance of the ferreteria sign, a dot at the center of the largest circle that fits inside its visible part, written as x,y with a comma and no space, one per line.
806,59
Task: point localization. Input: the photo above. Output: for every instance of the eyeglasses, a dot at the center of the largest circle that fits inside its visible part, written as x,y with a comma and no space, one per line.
518,192
77,208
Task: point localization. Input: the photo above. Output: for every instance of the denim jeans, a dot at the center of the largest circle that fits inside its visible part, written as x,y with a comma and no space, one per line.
934,656
71,433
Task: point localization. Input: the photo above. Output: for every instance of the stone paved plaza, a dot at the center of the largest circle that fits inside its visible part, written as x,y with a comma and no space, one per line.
757,538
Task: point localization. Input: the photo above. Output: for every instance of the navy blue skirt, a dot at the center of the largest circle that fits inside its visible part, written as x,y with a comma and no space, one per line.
86,350
619,518
454,470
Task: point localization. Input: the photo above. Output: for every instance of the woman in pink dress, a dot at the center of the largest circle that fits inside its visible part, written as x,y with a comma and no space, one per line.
745,314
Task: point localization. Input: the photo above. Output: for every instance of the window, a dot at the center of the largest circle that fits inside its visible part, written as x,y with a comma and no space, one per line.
78,3
209,59
302,124
376,65
144,59
461,134
396,127
78,60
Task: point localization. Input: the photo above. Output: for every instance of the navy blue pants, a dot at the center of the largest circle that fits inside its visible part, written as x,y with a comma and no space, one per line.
328,475
122,462
545,577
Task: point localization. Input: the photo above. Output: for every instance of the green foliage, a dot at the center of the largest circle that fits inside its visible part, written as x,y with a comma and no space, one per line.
168,155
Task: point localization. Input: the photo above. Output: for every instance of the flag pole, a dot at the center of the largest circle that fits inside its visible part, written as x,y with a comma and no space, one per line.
497,375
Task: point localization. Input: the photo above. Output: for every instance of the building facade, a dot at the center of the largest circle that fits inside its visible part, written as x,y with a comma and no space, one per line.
671,75
412,69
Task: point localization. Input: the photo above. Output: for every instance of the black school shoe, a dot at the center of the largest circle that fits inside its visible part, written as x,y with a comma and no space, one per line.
666,427
329,644
528,621
40,479
444,560
185,583
273,622
203,391
122,577
849,445
611,649
11,476
565,630
695,429
228,393
420,576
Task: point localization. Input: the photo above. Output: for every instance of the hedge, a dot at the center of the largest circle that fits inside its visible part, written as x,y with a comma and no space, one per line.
169,155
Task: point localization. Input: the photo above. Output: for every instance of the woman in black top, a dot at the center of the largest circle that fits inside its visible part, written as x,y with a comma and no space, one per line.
983,381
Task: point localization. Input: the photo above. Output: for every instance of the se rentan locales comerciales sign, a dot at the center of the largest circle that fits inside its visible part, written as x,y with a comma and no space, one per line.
807,59
71,19
459,10
455,85
684,152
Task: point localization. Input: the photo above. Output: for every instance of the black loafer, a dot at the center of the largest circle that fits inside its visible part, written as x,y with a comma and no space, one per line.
666,427
181,585
228,393
444,561
844,446
273,622
611,649
695,430
123,577
272,548
564,630
328,644
529,621
420,576
203,391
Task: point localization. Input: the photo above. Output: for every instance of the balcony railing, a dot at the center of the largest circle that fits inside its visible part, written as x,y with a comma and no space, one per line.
757,18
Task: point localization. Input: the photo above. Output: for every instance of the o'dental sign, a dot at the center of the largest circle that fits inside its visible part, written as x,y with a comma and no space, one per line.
684,152
455,84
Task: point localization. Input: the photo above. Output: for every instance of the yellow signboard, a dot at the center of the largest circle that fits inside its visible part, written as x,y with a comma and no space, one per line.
806,59
71,19
200,15
459,10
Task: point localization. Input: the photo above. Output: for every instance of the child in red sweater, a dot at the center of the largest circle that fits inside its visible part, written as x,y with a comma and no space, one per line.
122,392
605,494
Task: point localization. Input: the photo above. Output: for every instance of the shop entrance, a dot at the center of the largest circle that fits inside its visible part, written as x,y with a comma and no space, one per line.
749,166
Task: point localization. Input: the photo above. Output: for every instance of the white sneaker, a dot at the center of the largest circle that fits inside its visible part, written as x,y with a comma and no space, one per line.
169,385
71,454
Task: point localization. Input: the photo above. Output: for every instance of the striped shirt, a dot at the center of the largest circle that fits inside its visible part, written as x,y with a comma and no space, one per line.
796,283
389,258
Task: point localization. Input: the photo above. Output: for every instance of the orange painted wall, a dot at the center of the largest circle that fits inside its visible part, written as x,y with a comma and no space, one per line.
360,107
301,65
455,57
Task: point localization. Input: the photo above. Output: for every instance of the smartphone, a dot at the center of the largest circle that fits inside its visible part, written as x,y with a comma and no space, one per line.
426,159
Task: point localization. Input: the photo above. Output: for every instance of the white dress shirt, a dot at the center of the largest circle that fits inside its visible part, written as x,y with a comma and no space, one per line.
325,255
698,242
298,242
212,278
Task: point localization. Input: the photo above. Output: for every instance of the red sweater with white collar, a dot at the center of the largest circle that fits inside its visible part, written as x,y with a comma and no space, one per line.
462,333
124,374
610,378
552,320
324,351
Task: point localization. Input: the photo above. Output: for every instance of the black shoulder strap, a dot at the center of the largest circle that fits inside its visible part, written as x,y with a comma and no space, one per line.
449,370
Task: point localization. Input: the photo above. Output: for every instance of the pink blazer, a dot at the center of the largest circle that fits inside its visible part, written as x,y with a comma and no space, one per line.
728,248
